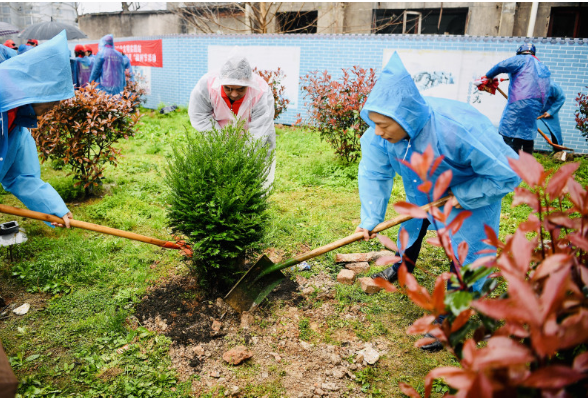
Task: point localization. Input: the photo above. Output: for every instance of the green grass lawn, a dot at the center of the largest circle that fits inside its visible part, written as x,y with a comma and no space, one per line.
93,281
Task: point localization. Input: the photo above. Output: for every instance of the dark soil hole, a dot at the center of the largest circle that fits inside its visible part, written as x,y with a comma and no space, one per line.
187,316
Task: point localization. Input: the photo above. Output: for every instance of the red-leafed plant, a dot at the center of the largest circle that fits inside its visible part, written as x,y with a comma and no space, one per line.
582,114
334,106
81,132
532,340
274,80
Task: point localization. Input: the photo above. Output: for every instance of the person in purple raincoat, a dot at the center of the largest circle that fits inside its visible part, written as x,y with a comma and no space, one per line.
109,68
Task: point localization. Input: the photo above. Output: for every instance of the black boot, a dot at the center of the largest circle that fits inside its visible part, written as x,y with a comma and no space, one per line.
390,274
432,347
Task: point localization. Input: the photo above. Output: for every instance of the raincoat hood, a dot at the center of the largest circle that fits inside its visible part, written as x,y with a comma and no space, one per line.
40,75
237,71
106,40
395,95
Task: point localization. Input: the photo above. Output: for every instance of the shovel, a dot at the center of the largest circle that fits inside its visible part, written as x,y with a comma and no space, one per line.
264,276
180,245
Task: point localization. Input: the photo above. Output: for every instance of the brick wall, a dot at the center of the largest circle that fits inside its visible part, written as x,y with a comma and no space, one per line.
185,61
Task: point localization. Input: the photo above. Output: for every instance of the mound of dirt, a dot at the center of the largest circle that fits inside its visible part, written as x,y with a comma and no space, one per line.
186,316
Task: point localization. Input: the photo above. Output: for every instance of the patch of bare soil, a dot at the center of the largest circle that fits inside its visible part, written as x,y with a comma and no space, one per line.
203,329
12,296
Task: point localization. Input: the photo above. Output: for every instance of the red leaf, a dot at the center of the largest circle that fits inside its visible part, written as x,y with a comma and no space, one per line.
574,330
414,291
385,284
581,362
553,377
406,208
560,219
481,387
521,250
551,264
554,291
487,261
408,390
436,163
528,168
439,292
558,181
421,325
500,309
502,352
457,378
425,187
461,319
525,196
387,242
388,260
578,240
456,223
434,241
403,234
462,251
577,194
524,297
424,341
442,184
492,239
511,328
532,224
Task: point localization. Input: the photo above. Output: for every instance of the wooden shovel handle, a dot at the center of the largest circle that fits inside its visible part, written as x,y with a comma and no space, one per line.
555,146
86,225
359,235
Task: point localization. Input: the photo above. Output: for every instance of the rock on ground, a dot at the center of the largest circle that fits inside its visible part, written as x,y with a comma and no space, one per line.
246,320
22,310
346,277
369,355
237,355
368,285
358,267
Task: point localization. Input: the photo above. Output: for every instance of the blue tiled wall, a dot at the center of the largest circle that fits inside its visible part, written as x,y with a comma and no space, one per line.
185,61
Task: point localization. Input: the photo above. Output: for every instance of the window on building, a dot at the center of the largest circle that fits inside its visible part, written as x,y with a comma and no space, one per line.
297,22
453,21
568,22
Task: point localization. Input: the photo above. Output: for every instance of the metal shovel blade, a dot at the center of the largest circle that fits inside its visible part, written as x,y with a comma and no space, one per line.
251,288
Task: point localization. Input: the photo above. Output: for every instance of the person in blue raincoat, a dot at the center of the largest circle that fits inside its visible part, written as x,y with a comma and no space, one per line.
527,94
109,67
549,121
83,67
31,84
6,53
23,48
401,122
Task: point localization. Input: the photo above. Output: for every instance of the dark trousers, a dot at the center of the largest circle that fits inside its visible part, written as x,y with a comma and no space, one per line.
518,144
411,254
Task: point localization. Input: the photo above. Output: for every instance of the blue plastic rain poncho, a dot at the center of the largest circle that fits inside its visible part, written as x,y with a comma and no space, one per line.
550,125
6,53
473,151
109,68
82,71
40,75
527,94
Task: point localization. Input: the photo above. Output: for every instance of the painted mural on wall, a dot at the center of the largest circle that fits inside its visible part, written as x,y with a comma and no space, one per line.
450,74
265,58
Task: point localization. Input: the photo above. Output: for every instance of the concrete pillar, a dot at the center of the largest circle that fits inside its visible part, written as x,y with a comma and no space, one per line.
507,19
358,17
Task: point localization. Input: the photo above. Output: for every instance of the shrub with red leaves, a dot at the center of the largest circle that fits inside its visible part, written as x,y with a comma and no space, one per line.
334,107
81,132
531,341
274,80
582,114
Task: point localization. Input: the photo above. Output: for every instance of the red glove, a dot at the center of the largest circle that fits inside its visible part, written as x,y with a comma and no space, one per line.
484,84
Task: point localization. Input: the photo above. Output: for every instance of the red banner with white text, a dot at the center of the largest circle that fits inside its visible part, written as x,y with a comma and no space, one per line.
145,53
